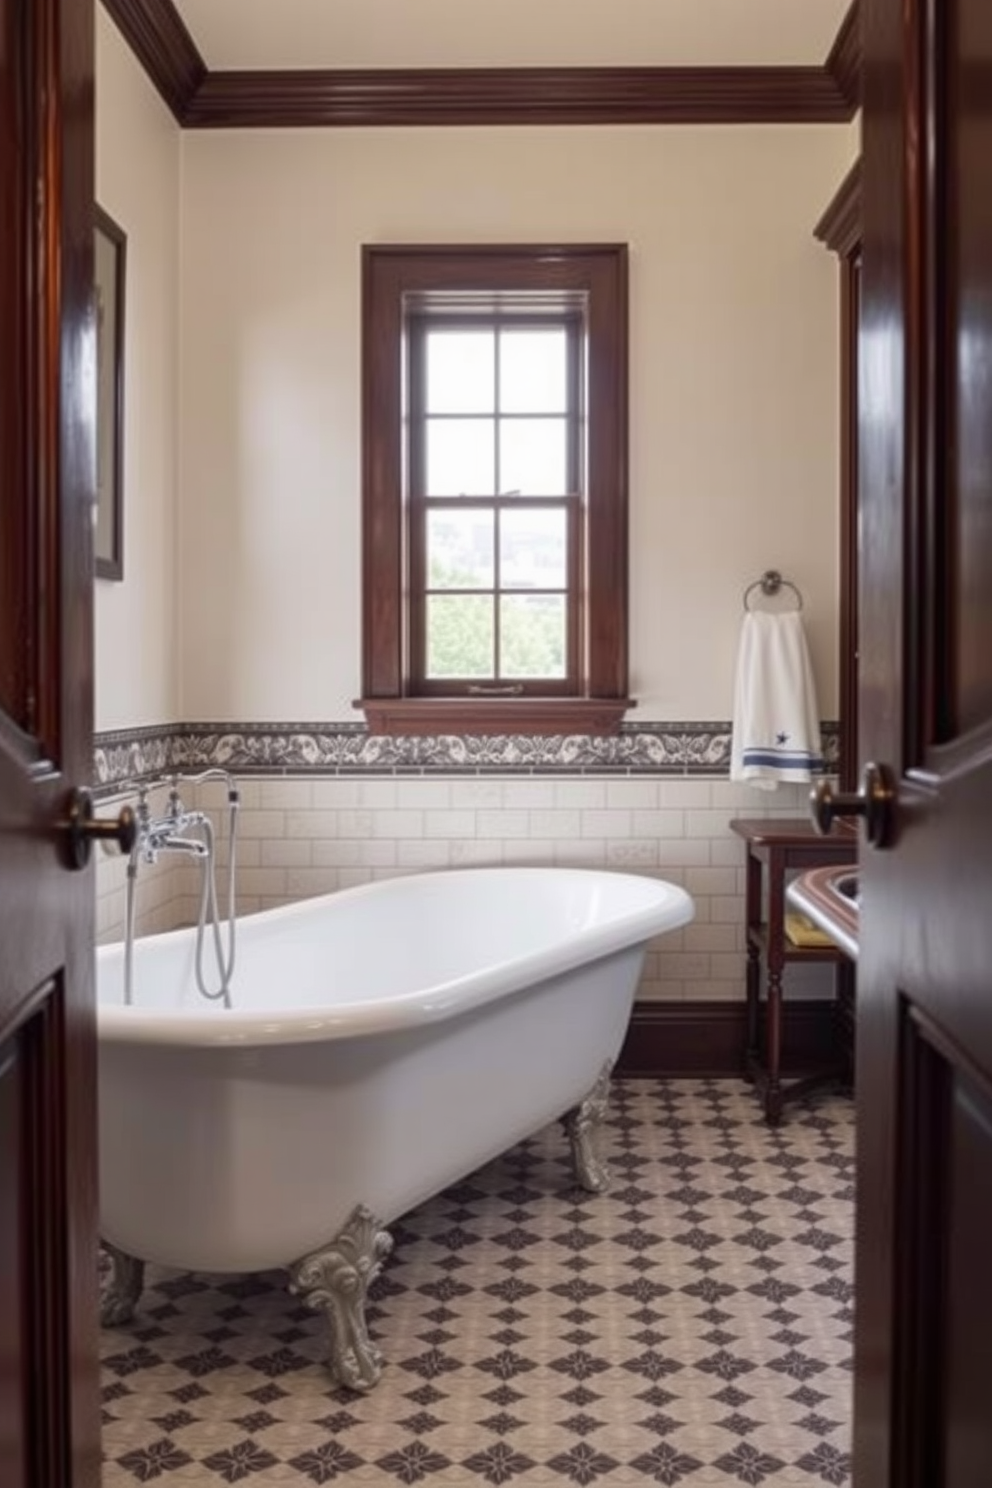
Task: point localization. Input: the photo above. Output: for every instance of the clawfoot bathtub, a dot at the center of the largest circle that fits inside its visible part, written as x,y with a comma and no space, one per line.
384,1042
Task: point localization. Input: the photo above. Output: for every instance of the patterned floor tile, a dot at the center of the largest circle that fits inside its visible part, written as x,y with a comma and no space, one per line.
691,1327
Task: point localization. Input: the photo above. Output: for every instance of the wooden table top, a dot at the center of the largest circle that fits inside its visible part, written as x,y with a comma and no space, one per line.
792,831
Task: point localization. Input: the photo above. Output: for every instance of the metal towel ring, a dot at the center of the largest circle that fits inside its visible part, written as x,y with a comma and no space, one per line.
772,582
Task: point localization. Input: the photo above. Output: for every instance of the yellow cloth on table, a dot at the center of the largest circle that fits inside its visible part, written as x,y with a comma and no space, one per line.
802,932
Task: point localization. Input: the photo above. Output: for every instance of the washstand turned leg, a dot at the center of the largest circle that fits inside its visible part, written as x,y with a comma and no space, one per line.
582,1127
773,1053
123,1287
335,1280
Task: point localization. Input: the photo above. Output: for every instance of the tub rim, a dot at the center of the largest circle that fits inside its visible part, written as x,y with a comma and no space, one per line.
210,1026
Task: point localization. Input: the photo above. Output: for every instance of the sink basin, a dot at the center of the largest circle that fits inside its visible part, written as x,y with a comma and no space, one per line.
848,886
830,896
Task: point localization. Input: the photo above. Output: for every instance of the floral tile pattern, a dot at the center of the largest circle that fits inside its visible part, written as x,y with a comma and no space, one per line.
125,758
691,1327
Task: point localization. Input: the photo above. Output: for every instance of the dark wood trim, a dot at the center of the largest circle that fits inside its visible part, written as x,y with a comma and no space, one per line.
41,1045
112,566
849,603
18,438
493,716
66,900
159,38
896,144
49,1375
392,273
931,1072
524,95
845,62
841,227
329,98
708,1039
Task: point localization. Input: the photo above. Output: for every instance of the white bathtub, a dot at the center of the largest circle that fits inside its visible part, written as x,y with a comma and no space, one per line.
385,1041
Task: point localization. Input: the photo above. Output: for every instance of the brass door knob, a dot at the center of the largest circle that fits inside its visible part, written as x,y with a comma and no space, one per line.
81,829
875,801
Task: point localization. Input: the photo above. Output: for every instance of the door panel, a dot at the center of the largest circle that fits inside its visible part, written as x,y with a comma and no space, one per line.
923,1404
968,44
38,1254
969,1303
13,301
13,1370
49,1422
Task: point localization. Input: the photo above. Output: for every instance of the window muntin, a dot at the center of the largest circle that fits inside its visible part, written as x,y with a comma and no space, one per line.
494,502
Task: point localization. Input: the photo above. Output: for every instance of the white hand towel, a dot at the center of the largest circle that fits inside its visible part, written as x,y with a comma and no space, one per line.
776,731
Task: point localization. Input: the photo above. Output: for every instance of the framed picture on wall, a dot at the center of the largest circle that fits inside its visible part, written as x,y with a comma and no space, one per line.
110,277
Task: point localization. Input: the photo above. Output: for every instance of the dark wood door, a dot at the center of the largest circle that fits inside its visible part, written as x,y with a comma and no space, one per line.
49,1424
923,1396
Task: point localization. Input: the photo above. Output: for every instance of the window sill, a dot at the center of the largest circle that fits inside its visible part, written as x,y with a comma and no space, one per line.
528,715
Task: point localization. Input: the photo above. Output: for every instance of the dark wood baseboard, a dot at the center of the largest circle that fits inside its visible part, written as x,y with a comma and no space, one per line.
707,1038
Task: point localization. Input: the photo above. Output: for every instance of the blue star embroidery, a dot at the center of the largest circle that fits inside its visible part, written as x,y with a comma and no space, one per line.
781,738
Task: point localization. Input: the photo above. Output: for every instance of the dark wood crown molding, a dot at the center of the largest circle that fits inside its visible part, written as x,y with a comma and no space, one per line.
158,37
204,99
532,95
845,61
841,227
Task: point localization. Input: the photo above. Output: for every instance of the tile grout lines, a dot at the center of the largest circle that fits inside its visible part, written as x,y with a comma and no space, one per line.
693,1326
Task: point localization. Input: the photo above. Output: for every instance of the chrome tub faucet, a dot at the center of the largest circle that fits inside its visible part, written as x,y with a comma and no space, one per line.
167,833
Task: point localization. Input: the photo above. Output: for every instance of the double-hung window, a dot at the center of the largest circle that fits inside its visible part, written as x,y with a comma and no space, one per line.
494,489
496,475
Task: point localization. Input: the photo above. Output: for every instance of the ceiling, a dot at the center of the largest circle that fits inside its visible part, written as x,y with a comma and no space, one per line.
276,34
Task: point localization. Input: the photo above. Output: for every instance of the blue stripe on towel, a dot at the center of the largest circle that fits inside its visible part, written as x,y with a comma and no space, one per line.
782,759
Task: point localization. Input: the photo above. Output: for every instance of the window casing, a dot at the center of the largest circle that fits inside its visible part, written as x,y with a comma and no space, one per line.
468,624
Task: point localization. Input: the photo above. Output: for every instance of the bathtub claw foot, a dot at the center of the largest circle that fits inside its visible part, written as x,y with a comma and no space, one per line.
120,1292
335,1281
582,1127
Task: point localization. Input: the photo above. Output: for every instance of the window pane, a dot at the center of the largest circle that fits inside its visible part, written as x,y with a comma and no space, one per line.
459,636
460,457
532,549
533,371
460,549
532,457
461,372
532,635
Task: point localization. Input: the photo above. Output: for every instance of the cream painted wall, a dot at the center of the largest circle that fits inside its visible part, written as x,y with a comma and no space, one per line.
515,33
734,384
138,168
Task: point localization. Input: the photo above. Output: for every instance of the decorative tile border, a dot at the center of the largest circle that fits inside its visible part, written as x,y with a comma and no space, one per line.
123,757
128,757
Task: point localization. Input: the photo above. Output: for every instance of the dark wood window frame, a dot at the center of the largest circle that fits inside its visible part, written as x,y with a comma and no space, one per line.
110,564
841,229
395,279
